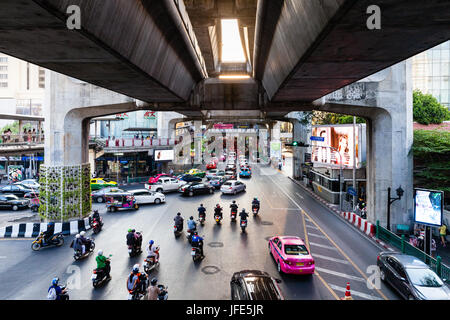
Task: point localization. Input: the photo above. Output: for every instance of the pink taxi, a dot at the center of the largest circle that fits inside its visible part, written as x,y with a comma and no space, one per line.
291,255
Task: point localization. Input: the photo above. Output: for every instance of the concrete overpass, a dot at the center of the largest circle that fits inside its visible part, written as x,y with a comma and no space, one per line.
167,54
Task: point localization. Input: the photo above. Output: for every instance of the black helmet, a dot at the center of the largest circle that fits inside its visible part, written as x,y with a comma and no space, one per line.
95,211
178,214
133,230
191,217
153,281
201,204
234,201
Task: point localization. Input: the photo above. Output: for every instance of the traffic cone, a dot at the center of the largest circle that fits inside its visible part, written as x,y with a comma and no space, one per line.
348,295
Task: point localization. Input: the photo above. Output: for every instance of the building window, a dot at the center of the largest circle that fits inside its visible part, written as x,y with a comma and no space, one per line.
3,76
3,84
3,59
3,68
41,77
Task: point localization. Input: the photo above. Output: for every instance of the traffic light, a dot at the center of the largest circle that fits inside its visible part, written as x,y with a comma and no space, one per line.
296,144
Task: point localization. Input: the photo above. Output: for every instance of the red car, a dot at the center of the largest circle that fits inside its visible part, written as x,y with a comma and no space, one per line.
155,179
291,255
211,165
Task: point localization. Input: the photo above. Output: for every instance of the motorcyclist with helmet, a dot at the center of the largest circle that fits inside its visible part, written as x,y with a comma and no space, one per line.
153,291
48,234
201,211
197,242
78,244
179,221
255,204
136,281
103,263
152,251
218,211
61,294
234,207
243,214
86,242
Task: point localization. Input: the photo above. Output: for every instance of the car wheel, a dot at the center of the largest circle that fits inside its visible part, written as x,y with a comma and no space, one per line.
157,201
15,208
211,191
160,190
382,275
279,267
99,199
235,192
410,297
191,193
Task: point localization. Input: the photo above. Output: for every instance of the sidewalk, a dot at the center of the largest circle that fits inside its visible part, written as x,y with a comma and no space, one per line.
443,252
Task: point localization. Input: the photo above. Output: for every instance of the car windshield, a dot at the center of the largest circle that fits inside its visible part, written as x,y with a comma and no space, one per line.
424,277
295,249
262,288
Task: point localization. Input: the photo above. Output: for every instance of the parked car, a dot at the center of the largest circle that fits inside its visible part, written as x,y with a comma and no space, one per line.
196,172
155,178
189,178
100,183
254,285
17,190
411,277
194,188
145,196
99,195
29,184
211,165
13,202
291,255
165,184
245,173
232,186
217,182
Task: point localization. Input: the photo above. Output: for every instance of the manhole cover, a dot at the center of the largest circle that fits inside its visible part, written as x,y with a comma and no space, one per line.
215,244
210,270
266,223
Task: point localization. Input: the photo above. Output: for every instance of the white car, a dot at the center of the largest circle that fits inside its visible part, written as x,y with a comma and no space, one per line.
29,183
232,186
145,196
165,184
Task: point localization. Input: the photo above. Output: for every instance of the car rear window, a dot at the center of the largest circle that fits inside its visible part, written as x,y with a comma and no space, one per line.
262,288
424,277
295,249
227,184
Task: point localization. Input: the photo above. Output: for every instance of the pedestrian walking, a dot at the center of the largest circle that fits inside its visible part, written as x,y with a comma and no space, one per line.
443,233
280,164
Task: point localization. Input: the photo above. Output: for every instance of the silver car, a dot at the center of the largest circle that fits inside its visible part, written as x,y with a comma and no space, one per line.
232,187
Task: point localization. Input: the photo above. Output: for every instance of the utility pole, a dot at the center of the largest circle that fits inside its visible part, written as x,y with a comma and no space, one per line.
354,162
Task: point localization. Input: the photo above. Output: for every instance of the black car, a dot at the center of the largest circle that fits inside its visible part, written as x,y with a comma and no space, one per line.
18,190
411,277
11,201
254,285
99,195
193,188
190,178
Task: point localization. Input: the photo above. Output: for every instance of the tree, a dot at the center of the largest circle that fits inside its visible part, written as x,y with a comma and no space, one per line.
320,117
426,109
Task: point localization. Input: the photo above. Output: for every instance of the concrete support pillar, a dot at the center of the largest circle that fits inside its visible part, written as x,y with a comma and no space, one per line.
198,135
301,132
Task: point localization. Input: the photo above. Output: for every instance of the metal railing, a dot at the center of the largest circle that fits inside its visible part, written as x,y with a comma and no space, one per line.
141,142
405,247
19,139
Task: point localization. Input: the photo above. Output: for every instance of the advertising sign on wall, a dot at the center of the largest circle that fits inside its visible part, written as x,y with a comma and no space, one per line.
164,155
340,138
428,207
15,173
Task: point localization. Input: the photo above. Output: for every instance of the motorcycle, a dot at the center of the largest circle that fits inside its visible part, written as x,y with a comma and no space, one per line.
218,219
141,293
201,219
196,254
134,250
255,210
164,292
99,276
151,263
233,216
177,231
78,255
97,225
243,225
56,240
189,235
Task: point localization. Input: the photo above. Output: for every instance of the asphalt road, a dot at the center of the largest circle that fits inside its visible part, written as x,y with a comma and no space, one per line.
341,253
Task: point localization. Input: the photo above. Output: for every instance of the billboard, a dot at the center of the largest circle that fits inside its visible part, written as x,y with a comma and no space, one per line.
428,207
340,138
15,173
164,155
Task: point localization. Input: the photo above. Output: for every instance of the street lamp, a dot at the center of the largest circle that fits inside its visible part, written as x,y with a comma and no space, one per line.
391,200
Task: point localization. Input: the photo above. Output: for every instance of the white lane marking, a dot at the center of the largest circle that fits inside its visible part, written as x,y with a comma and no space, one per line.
340,274
299,195
315,255
311,226
323,246
355,293
317,235
2,257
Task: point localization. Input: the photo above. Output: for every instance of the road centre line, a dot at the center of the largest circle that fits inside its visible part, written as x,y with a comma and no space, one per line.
340,250
340,274
355,293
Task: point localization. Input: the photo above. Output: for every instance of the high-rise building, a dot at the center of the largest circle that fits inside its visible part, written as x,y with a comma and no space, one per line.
431,72
22,86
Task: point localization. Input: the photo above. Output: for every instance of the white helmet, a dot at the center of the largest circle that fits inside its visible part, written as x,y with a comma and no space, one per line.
100,252
77,236
82,233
